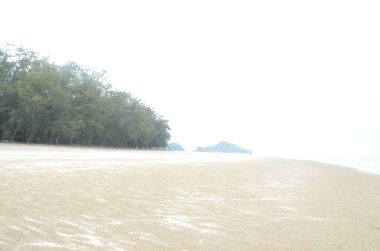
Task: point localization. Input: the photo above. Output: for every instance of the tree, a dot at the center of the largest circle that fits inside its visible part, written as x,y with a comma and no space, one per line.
44,103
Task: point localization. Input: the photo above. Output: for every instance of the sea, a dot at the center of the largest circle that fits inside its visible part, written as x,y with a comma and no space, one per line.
364,164
49,154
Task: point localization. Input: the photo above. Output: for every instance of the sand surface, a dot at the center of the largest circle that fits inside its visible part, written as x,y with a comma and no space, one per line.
61,198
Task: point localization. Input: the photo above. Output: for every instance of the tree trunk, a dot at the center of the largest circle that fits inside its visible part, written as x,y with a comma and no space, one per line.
32,134
2,135
30,138
16,131
71,140
46,131
89,142
57,140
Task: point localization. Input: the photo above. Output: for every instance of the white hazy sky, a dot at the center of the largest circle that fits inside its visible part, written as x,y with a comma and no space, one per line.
282,78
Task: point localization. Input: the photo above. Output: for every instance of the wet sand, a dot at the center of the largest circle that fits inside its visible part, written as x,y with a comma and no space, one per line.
57,198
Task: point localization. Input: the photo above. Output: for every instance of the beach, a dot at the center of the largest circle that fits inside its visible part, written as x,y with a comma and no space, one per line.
77,198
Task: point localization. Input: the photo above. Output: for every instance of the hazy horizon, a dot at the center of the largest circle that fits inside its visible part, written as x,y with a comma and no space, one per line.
280,78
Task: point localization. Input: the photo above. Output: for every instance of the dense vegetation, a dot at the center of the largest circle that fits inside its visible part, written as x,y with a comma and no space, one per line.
42,102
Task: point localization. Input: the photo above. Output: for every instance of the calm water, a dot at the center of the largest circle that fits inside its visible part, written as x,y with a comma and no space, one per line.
365,164
104,155
371,165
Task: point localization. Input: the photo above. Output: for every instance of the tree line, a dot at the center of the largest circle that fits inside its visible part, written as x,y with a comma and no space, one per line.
42,102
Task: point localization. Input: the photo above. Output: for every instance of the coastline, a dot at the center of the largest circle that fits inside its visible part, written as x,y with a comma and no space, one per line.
121,201
357,164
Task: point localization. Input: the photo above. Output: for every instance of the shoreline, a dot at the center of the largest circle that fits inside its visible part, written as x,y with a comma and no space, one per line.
355,165
120,201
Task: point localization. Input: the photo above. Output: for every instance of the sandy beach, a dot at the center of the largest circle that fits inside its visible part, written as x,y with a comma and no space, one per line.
68,198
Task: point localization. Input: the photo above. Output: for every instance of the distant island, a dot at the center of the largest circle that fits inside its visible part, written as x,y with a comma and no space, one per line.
223,147
175,147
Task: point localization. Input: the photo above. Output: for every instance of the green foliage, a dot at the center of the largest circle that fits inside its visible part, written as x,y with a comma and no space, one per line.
41,102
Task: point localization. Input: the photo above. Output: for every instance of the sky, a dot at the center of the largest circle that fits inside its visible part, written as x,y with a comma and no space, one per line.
282,78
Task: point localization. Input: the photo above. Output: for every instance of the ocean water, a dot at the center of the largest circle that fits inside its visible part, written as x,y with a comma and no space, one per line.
369,164
364,164
71,157
22,156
